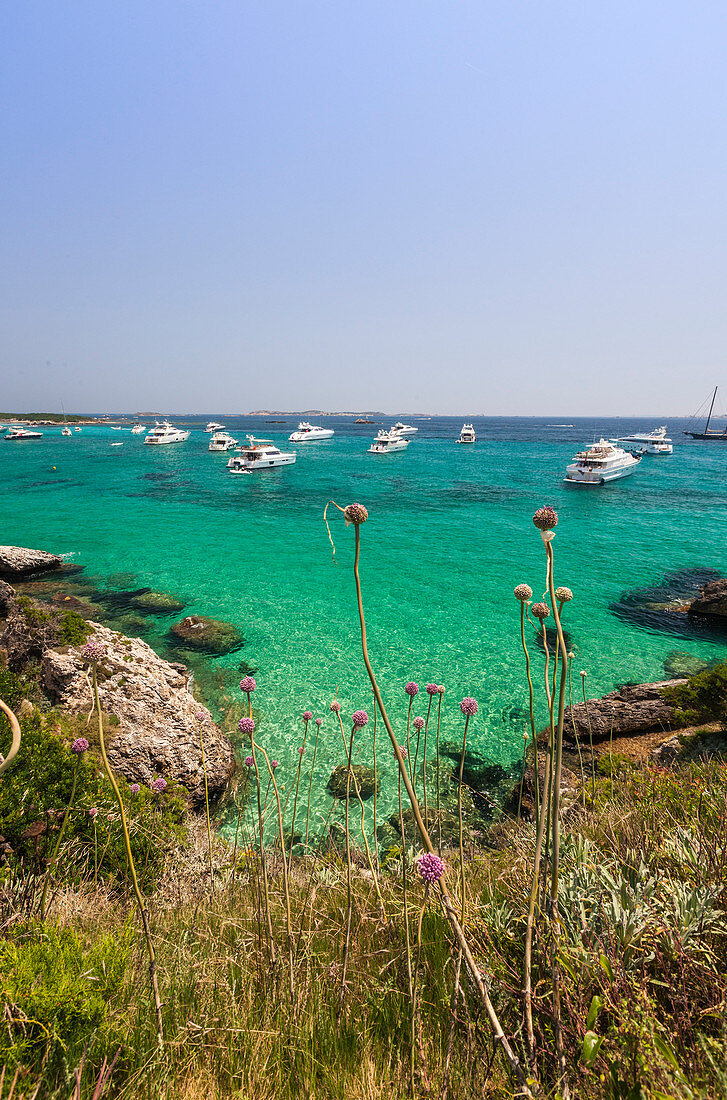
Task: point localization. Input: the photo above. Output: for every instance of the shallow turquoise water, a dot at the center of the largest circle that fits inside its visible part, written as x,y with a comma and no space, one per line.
449,536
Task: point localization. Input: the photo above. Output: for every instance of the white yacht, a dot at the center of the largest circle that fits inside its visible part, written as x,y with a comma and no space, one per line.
115,427
23,433
259,454
66,431
403,429
467,435
77,429
213,426
164,432
601,462
222,441
308,433
138,429
386,442
648,443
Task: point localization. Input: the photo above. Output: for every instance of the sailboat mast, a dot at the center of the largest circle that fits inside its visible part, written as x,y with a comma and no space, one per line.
710,410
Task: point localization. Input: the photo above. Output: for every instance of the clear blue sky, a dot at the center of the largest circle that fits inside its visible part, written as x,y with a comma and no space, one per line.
457,207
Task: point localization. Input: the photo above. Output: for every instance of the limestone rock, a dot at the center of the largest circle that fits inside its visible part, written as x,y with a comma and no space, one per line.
156,603
712,601
158,732
18,561
633,709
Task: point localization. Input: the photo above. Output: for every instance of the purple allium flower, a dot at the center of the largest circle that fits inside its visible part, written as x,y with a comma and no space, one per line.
200,715
431,689
307,715
79,745
468,706
545,518
319,721
523,592
335,706
355,513
402,750
249,761
246,725
430,867
418,723
93,813
440,689
540,610
159,785
411,689
134,788
301,750
247,684
563,594
274,764
360,718
93,650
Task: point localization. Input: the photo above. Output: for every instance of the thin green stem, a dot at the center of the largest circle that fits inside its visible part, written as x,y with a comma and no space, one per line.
52,863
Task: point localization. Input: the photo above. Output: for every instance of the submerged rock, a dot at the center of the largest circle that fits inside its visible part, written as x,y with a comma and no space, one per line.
156,603
18,561
635,709
208,635
679,664
712,601
364,778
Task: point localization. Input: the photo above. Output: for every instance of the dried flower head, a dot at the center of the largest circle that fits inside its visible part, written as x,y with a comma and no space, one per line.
249,761
307,715
432,689
523,592
247,684
355,513
540,610
411,689
563,594
583,673
468,706
359,718
159,785
319,721
336,706
79,745
418,723
440,689
430,867
246,725
402,750
94,650
545,519
135,788
93,813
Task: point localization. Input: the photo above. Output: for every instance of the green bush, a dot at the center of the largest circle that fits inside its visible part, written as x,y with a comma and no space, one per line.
702,699
56,989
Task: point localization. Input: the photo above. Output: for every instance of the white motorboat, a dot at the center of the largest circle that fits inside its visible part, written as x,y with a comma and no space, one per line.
213,426
77,429
164,432
115,427
648,443
23,433
403,429
222,441
467,435
601,462
66,431
138,429
259,454
308,433
117,444
386,442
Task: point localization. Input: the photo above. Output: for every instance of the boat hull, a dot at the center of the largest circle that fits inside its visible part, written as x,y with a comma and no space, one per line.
577,475
237,466
310,437
180,437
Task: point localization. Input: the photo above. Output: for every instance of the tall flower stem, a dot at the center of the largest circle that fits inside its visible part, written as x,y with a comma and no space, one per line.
424,765
52,863
459,814
531,708
15,737
439,808
240,811
376,793
207,808
261,838
417,965
286,886
295,800
351,775
349,893
132,868
590,736
406,901
472,967
408,723
310,783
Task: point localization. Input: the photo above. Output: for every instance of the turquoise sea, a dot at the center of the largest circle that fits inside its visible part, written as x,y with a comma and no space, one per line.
449,536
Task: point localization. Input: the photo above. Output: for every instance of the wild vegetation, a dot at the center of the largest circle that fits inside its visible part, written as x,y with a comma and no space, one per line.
581,950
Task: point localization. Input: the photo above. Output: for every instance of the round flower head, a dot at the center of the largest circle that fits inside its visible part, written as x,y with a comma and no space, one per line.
583,673
402,750
335,706
319,721
246,725
247,684
440,689
93,650
523,592
418,723
159,785
134,788
79,745
526,736
93,813
200,715
249,761
545,519
274,764
432,689
468,706
355,513
411,689
540,610
563,594
307,715
301,751
430,867
360,718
